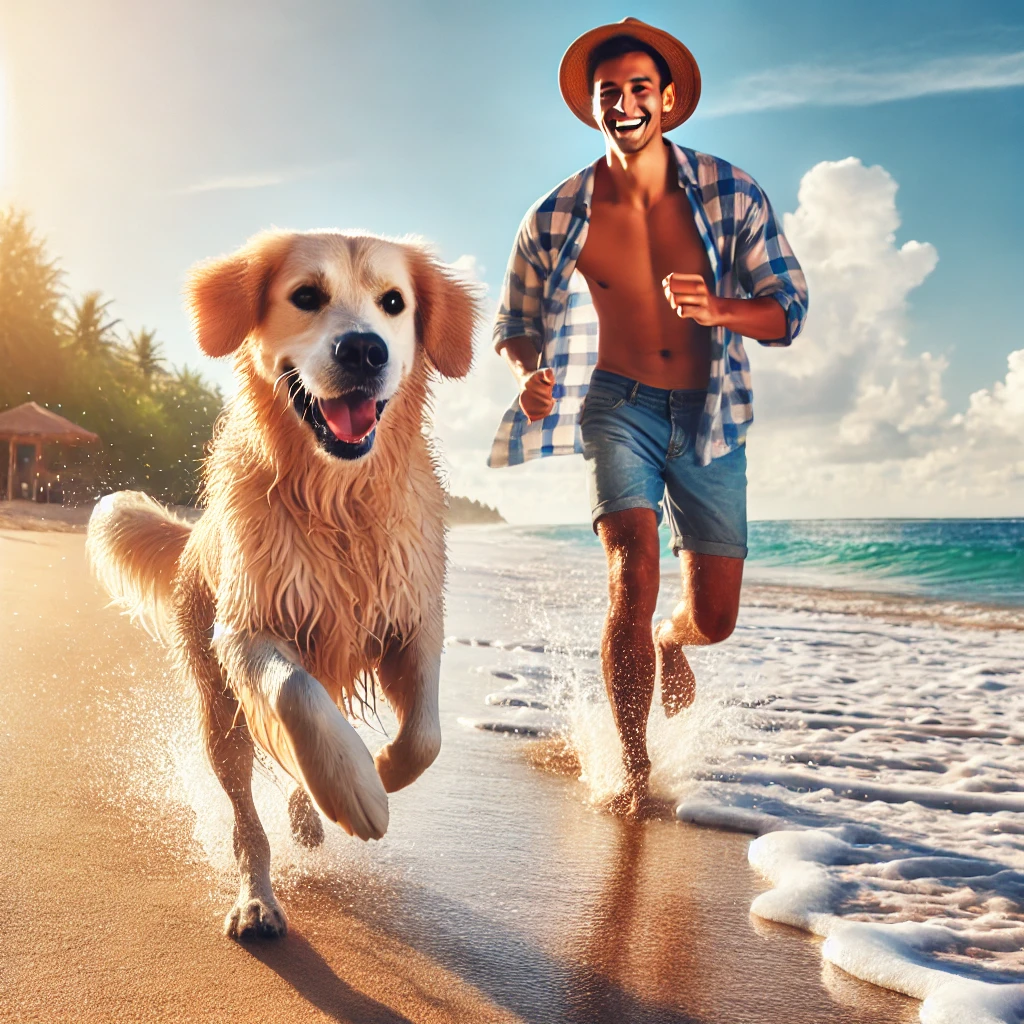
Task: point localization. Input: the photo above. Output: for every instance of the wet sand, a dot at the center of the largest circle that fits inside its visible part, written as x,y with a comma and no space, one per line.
498,894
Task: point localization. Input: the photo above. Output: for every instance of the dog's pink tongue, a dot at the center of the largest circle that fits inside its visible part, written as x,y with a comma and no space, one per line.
351,417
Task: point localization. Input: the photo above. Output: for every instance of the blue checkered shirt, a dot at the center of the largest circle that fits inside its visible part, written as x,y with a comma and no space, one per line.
545,299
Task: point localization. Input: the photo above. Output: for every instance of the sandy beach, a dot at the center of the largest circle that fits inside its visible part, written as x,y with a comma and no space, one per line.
498,895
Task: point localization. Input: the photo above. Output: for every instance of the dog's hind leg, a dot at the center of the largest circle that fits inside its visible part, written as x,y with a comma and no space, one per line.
256,912
294,719
409,675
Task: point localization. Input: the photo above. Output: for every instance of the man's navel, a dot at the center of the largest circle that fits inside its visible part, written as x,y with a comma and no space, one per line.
666,353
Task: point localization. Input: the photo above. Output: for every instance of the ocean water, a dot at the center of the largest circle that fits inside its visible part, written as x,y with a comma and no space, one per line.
878,760
972,560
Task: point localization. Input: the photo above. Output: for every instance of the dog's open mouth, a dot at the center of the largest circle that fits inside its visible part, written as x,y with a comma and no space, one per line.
344,426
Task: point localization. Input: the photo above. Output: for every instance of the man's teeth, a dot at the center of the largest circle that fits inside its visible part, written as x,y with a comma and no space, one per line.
626,126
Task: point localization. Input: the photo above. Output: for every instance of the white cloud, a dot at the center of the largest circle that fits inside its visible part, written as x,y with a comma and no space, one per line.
999,413
235,182
849,421
869,83
260,179
471,269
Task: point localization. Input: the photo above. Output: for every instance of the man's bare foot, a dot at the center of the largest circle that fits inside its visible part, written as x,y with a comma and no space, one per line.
673,676
635,802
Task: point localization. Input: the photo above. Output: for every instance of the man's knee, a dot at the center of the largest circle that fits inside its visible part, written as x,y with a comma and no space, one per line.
715,624
711,596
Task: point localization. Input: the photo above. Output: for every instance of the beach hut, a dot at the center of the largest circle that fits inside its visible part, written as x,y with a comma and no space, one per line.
26,428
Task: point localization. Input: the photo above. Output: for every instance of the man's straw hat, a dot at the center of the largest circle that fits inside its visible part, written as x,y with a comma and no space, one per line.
575,84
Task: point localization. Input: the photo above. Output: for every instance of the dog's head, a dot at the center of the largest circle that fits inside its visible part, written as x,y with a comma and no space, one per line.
335,321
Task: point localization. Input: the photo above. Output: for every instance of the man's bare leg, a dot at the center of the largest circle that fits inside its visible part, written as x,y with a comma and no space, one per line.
632,546
705,615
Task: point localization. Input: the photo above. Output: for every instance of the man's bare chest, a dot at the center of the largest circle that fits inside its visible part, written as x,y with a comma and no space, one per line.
634,249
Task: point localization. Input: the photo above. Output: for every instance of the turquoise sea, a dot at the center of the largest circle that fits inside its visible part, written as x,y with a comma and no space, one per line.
979,561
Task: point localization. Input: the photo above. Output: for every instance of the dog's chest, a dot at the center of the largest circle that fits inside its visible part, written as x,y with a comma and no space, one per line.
336,593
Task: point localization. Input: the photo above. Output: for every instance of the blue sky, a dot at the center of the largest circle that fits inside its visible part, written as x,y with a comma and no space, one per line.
143,139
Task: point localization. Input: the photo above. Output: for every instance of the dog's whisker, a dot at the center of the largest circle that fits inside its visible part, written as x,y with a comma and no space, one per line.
287,373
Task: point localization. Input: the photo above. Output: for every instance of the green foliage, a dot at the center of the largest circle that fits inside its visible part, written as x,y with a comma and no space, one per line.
65,354
86,333
144,354
466,510
30,327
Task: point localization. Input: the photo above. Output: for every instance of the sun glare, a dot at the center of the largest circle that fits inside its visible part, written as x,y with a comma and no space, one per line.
3,132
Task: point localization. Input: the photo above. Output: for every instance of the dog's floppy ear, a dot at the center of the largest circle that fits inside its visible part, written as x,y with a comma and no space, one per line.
446,313
227,297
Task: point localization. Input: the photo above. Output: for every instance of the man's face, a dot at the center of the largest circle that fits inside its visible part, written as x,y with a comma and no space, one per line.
628,101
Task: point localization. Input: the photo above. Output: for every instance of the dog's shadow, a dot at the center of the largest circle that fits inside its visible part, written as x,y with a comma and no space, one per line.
295,961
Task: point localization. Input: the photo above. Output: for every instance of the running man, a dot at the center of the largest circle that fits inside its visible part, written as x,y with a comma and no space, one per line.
637,360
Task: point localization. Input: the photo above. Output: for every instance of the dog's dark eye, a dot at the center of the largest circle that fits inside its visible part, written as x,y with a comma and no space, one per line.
392,302
308,298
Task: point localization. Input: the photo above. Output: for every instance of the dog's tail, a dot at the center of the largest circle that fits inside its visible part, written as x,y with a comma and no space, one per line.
134,545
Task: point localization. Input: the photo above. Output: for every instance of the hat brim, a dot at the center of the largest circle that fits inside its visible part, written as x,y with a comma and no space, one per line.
575,83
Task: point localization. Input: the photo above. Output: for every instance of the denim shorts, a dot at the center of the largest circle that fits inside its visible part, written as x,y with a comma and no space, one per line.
639,447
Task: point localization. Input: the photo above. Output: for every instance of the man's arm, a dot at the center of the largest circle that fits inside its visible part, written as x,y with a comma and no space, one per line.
766,267
535,384
518,326
766,270
761,319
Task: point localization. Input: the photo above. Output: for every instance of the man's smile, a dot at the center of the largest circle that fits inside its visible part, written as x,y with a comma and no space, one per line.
631,124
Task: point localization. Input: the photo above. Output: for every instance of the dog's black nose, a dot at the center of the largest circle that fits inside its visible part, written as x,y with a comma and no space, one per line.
363,354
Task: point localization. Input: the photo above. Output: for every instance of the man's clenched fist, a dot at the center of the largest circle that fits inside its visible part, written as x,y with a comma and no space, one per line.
688,295
535,394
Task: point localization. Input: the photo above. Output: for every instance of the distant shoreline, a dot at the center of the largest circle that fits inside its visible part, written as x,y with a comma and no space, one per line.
466,511
28,515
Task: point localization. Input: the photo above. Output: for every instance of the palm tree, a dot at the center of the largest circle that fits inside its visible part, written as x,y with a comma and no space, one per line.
189,380
87,333
30,330
144,352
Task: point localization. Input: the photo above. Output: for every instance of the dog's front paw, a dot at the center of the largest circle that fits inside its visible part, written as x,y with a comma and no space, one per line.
331,760
407,757
254,917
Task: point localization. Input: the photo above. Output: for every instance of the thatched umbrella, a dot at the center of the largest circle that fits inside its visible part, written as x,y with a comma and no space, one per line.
31,424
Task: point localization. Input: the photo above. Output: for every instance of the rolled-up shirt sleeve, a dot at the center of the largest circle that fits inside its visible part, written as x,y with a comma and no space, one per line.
522,295
767,268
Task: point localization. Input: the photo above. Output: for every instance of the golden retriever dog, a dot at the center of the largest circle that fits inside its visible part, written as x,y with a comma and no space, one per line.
316,571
